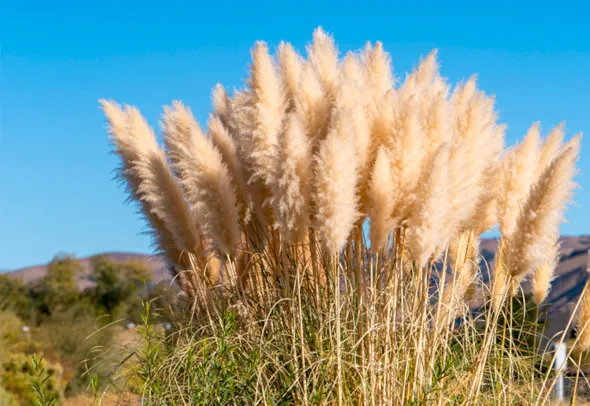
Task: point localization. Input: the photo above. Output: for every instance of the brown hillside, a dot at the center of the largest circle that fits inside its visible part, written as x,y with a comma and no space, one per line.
571,276
32,273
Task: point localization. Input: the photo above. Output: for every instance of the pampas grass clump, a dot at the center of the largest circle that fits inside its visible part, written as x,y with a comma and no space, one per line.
260,218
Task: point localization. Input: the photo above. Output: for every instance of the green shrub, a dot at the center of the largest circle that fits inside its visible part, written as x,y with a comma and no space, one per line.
6,399
10,328
16,375
14,296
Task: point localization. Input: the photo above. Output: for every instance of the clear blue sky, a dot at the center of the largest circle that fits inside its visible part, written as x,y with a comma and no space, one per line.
58,58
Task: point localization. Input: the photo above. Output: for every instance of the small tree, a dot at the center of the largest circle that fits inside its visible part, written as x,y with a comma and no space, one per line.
117,284
13,296
59,288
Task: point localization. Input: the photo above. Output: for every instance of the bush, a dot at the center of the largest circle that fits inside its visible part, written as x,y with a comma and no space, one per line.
6,399
14,296
119,286
16,375
10,328
10,333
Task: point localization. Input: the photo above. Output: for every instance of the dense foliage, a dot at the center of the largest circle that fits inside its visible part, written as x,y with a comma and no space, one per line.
74,329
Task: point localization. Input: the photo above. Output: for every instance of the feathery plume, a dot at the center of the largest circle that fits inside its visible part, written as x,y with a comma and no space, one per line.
380,199
518,175
334,191
379,74
484,214
477,146
241,121
422,77
290,192
291,66
350,98
124,147
501,283
221,104
205,178
464,256
406,143
259,117
538,223
259,147
437,122
323,55
544,274
173,150
428,68
431,207
461,97
353,70
313,105
550,149
226,146
383,119
152,184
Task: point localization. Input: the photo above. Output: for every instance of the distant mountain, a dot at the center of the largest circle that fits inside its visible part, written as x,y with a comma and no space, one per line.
159,271
571,274
570,277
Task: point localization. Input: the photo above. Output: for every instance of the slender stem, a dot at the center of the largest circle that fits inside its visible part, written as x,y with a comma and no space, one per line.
301,338
535,351
578,370
338,332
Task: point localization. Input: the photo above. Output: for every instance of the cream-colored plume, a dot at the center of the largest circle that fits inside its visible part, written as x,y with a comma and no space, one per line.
226,146
464,257
431,208
537,226
477,146
334,190
205,178
291,66
378,70
353,70
518,175
484,215
312,104
381,194
268,103
461,97
407,146
291,189
550,148
422,77
221,104
350,97
260,116
544,274
323,56
437,122
152,184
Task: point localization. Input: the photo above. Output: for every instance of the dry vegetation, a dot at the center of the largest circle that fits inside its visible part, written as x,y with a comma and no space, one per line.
260,218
